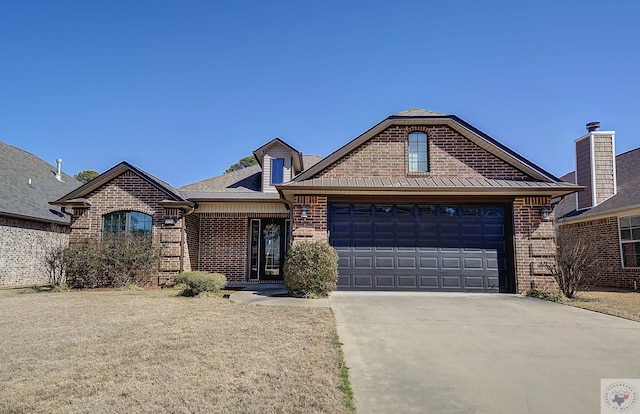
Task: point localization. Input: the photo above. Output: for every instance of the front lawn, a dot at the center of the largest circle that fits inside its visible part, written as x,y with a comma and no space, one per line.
616,303
150,351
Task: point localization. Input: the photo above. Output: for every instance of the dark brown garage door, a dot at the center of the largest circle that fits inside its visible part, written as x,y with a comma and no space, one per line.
448,247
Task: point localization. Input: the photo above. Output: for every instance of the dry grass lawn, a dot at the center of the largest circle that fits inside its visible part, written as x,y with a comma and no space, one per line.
622,304
150,351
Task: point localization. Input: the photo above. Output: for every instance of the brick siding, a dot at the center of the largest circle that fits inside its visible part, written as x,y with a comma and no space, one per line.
23,246
534,244
603,239
224,243
450,155
130,192
314,226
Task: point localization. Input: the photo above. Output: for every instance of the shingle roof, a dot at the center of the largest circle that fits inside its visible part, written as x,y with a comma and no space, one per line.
413,112
18,198
628,189
244,184
247,178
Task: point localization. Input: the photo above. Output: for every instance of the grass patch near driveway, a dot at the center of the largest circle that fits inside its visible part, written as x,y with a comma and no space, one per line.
150,351
617,303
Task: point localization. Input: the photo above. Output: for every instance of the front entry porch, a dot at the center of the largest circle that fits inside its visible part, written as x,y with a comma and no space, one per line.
268,242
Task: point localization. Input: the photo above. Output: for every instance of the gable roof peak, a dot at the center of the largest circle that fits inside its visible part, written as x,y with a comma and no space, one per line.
417,112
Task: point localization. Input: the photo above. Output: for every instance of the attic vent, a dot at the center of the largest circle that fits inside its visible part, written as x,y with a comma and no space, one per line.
593,126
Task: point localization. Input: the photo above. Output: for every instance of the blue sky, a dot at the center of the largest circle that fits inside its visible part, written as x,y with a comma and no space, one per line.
183,89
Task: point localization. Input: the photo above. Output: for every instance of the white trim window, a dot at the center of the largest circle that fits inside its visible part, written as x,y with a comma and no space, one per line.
418,152
630,240
133,221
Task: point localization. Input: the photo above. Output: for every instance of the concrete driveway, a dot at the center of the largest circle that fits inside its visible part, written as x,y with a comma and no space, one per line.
479,353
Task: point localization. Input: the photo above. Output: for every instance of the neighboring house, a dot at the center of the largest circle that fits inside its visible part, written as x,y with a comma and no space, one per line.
606,215
422,200
28,224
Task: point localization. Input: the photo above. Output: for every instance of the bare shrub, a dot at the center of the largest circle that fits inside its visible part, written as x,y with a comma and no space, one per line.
83,265
129,259
575,268
54,264
117,261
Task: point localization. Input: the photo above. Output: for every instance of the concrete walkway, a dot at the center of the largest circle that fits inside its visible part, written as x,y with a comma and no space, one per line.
274,295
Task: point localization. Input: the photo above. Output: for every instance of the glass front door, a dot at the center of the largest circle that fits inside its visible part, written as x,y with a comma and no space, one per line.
267,248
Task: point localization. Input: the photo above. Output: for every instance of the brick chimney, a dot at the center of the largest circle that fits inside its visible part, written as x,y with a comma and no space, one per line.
595,166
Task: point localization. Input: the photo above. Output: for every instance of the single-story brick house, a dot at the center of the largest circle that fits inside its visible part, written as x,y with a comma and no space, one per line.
422,200
29,226
606,215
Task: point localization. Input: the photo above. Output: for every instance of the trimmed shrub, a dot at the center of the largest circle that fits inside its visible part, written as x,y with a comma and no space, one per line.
199,282
311,269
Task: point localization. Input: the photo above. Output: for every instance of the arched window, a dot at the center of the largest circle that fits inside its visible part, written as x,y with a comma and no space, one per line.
418,152
135,222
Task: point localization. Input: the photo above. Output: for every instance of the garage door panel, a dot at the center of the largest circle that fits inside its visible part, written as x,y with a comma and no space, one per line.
344,280
384,281
448,228
473,263
451,263
360,228
428,262
407,281
496,229
474,282
451,282
472,230
384,262
450,247
362,245
383,228
407,263
362,281
344,262
429,282
406,249
362,262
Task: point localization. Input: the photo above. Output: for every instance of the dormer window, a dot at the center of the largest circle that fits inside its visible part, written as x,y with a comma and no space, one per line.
418,152
277,171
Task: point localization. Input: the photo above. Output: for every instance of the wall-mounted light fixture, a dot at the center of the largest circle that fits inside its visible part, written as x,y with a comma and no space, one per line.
170,221
545,213
303,212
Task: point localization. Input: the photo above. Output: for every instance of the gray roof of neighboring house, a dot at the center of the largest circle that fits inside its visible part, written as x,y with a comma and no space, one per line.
18,198
243,184
628,189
